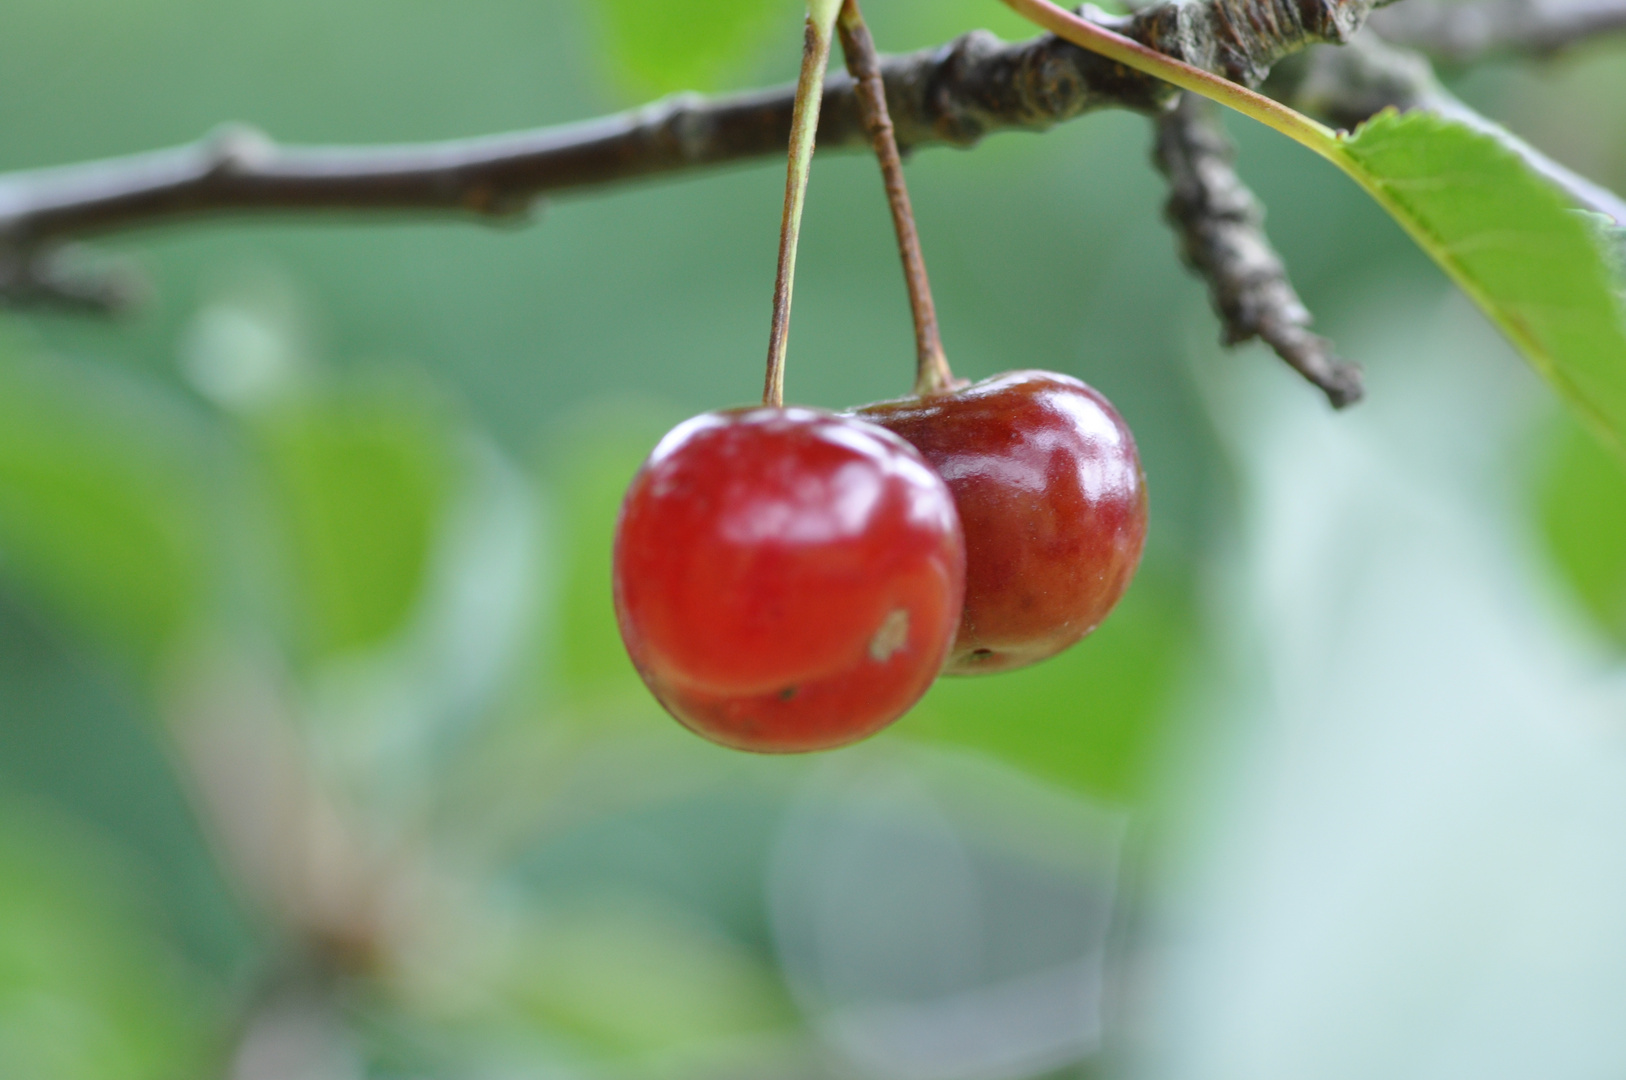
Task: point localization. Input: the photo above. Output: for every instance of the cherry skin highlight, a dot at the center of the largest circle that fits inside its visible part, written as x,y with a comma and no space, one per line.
1052,500
787,579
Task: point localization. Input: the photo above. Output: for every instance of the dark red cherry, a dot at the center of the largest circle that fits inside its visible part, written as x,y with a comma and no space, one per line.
1052,500
787,579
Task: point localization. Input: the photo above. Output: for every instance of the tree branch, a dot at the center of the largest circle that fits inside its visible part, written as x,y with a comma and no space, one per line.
953,95
1221,229
1459,33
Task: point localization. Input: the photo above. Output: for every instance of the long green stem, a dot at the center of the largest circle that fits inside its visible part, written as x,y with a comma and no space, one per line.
804,124
1295,125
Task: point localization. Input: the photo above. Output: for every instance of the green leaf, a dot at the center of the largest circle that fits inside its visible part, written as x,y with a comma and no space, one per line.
1581,507
1090,718
360,479
627,980
1503,233
660,46
100,504
87,992
595,458
1513,244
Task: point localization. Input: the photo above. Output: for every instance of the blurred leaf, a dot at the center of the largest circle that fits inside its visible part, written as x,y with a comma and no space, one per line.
360,478
594,459
100,507
86,991
1512,242
1089,718
636,980
1582,507
663,46
901,27
601,978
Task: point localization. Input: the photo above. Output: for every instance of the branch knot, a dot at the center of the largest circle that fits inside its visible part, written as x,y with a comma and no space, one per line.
1243,39
236,149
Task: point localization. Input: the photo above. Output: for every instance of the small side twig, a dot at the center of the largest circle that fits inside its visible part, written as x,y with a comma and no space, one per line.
1458,33
58,279
932,374
1222,239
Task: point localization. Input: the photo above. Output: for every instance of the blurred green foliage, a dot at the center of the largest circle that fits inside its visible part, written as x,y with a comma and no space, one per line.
590,461
85,993
1582,506
630,981
99,502
1094,717
661,46
291,481
360,484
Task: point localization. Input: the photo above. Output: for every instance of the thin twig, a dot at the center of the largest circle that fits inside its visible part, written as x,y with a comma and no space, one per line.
1459,33
1222,237
932,374
59,279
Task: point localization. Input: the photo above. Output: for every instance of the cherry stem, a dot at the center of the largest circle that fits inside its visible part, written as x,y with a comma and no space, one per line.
932,374
804,123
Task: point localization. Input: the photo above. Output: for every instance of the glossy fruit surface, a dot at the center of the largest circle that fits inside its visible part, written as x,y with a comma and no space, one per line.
1052,500
787,579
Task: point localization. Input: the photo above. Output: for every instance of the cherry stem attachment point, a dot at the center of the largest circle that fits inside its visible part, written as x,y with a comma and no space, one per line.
1098,39
932,374
804,124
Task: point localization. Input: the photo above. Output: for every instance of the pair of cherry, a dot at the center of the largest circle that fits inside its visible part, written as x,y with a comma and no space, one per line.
791,579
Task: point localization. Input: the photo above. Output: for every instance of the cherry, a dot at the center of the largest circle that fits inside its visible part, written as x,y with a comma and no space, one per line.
787,579
1053,502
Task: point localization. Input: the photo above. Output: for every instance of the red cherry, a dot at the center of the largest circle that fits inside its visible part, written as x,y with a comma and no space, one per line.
787,579
1053,502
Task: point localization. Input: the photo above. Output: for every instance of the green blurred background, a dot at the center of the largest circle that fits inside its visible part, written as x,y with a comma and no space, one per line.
320,758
